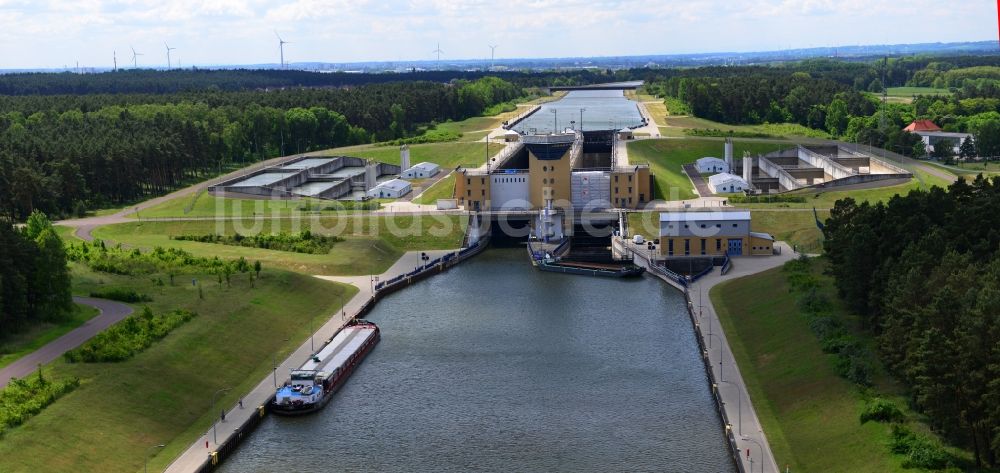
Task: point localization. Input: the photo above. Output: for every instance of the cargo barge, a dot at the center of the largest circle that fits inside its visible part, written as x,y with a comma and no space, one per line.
589,269
313,384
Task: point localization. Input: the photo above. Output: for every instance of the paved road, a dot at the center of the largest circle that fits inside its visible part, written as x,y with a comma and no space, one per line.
737,403
699,182
110,312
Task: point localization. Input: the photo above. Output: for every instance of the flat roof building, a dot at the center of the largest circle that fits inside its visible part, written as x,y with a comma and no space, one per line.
713,233
725,183
392,189
710,164
421,171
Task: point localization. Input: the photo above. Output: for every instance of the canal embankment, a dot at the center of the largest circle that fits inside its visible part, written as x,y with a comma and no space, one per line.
740,423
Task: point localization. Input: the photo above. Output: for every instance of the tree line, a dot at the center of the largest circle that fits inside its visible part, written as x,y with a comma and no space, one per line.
842,98
34,280
923,271
65,154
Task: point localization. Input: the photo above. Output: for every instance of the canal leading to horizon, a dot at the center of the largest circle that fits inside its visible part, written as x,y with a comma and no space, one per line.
495,366
605,109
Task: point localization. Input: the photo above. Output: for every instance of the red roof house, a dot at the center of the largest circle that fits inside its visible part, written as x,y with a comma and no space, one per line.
921,125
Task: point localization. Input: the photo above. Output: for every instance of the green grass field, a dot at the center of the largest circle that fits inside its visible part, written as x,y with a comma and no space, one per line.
442,189
809,413
777,130
665,158
163,395
448,154
793,227
202,204
16,346
372,243
911,91
969,170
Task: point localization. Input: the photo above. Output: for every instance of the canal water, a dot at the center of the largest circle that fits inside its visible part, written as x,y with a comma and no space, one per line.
605,109
495,366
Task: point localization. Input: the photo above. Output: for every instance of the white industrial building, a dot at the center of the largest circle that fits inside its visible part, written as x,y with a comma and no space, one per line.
934,138
709,164
393,189
725,183
421,171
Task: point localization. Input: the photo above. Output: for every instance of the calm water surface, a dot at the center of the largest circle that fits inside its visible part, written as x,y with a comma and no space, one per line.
494,366
606,109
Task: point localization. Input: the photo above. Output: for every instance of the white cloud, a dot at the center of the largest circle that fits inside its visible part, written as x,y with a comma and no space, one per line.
52,32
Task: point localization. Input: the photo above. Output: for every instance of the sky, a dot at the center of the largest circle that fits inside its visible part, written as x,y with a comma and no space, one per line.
57,33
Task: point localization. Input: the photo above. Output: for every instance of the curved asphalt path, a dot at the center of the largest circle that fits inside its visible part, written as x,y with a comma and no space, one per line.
110,312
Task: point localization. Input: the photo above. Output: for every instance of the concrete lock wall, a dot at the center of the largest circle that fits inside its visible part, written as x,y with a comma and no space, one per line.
785,179
829,166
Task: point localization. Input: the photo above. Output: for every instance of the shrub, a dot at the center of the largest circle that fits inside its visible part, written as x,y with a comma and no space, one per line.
824,326
23,398
812,302
920,451
802,282
121,295
302,242
130,336
881,410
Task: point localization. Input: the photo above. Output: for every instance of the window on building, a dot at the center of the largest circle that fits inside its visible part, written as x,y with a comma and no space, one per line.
629,190
718,244
616,190
483,191
670,247
468,192
734,225
703,225
702,246
468,181
482,181
630,179
616,179
552,181
687,247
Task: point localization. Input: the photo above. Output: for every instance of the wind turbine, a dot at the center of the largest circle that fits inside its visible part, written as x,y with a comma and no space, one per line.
281,48
438,51
135,58
168,54
493,53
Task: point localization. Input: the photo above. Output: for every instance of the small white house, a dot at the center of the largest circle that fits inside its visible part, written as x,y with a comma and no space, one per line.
421,171
710,165
725,183
393,189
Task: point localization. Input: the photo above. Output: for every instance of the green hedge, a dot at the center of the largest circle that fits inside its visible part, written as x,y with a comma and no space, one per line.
128,337
302,242
122,295
23,398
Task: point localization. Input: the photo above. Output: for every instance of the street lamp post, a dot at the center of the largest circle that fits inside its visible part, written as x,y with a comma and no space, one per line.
145,458
215,438
555,121
748,439
739,405
721,376
581,118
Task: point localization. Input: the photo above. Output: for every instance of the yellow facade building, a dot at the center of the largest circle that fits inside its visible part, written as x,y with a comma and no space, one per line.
713,233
